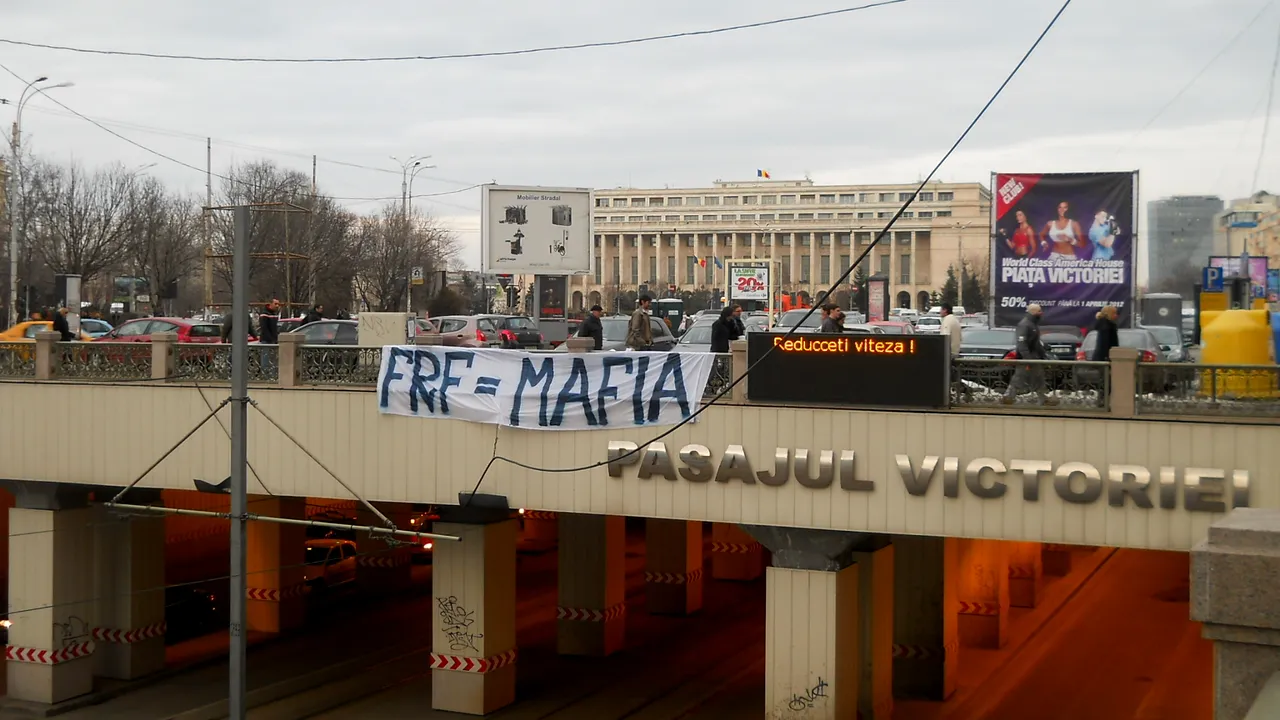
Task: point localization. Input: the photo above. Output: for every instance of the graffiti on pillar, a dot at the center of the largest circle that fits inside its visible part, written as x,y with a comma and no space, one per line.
457,621
72,632
804,702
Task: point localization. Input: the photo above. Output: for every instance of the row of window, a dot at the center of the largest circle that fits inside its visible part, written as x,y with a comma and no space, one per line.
767,217
902,237
691,268
806,199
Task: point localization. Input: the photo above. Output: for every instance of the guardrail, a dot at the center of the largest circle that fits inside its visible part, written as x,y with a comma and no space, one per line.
338,365
1192,389
1025,383
104,360
17,360
721,375
213,362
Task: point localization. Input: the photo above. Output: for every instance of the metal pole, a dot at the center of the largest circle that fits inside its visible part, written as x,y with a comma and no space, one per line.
15,193
208,227
311,235
236,701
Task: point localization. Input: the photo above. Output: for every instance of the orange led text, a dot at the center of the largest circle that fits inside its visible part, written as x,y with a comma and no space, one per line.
866,346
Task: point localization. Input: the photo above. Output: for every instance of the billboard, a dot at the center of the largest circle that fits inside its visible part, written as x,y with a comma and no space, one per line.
536,230
1064,242
1257,272
1273,285
749,281
552,290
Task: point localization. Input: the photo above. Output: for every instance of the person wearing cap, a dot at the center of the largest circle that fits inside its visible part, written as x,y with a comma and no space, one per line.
1029,378
592,327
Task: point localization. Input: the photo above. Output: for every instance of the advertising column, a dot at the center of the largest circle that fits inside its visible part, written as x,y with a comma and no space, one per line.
1064,242
750,284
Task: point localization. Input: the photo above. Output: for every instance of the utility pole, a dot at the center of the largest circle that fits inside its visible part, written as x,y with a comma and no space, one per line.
311,234
236,699
208,227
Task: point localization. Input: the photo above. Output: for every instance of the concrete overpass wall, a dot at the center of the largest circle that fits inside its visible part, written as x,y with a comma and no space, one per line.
119,430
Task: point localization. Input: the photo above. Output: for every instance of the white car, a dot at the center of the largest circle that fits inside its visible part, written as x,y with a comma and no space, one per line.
929,324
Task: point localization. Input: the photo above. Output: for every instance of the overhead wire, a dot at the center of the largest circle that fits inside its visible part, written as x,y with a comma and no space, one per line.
452,56
1266,119
496,458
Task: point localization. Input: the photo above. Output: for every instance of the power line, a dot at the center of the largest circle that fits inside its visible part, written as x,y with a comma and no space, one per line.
1266,122
830,291
228,178
1196,78
454,56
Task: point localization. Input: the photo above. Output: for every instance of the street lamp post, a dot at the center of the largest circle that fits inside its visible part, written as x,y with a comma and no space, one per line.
960,228
15,190
409,169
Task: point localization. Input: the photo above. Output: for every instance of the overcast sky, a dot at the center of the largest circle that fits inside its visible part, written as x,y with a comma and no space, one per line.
871,96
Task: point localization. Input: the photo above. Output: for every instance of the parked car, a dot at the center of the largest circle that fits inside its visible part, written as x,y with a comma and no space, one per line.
141,330
480,328
929,325
1149,351
615,334
332,516
891,327
1171,342
987,343
796,319
330,332
518,332
329,563
423,521
1062,341
94,328
697,338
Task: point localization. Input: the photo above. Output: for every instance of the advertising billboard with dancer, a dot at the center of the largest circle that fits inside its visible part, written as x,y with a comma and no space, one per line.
1064,242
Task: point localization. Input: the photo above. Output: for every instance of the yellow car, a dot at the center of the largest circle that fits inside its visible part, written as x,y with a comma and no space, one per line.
26,332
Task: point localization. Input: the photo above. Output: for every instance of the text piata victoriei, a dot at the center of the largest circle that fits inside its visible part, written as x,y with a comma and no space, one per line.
1200,489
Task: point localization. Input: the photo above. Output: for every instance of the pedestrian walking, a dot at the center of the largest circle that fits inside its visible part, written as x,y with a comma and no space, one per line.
1029,378
61,326
723,331
639,331
591,327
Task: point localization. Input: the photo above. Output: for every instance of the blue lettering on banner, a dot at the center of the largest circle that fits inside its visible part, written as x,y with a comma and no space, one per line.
555,391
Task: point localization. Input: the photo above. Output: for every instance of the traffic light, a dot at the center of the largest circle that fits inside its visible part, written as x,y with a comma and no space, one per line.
513,296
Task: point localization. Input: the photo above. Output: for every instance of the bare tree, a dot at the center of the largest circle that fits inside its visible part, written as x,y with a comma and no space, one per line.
164,247
388,245
82,219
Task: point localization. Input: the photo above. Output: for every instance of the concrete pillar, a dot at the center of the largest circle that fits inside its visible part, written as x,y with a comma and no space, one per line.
48,359
982,592
738,367
875,633
814,618
1026,570
1235,580
164,347
383,567
290,367
925,626
1124,382
541,529
591,609
474,618
735,555
129,578
274,570
673,566
1055,560
51,597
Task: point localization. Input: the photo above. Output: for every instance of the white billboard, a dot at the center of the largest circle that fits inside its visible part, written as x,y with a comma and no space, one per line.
749,281
536,230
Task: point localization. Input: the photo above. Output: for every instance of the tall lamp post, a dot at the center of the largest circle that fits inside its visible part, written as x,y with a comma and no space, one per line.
409,169
32,89
960,228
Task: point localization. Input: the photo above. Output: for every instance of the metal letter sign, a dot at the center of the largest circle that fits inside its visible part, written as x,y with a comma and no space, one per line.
1211,281
415,275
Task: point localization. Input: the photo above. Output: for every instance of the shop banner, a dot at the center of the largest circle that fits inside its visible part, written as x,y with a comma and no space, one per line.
749,282
1063,242
1257,271
542,391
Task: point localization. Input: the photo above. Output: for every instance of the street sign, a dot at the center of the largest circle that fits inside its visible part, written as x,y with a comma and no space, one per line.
1211,280
143,298
416,275
504,280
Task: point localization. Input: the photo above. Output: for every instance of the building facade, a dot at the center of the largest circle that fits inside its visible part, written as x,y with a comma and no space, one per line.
660,239
1263,240
1181,232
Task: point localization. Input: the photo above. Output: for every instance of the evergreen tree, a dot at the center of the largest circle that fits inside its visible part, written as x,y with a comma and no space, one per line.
950,288
860,289
974,300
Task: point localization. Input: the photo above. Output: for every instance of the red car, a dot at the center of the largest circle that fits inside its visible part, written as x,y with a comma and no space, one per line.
141,329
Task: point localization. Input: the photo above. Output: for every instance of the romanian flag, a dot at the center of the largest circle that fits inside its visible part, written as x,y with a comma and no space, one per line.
702,262
762,174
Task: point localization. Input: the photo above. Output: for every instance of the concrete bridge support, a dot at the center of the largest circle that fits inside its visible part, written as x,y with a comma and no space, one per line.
129,579
735,555
274,568
474,617
926,632
825,594
1235,583
982,593
673,566
591,612
1026,574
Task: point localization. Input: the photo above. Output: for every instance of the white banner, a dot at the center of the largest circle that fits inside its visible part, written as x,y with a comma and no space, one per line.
542,391
748,283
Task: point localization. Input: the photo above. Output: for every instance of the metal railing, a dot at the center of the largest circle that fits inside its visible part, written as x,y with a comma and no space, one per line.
213,362
721,376
1031,383
339,365
18,360
104,360
1229,390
